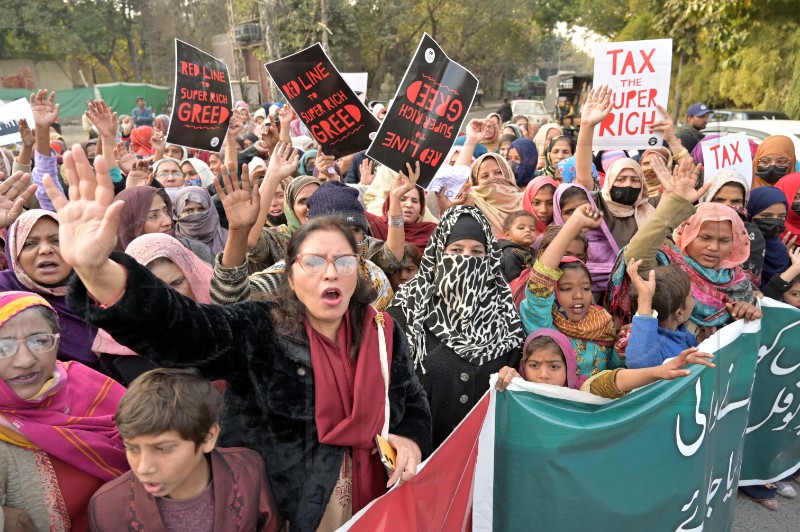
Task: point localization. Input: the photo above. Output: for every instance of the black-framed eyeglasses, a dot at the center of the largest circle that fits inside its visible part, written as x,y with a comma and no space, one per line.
36,343
314,264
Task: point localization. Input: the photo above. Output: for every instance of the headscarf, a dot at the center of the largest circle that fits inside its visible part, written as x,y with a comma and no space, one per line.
140,140
76,334
686,232
477,151
609,157
493,143
529,158
642,210
515,128
653,184
495,201
202,226
789,185
569,170
290,194
147,248
781,146
574,380
602,249
530,192
549,167
464,301
184,152
417,233
301,168
722,178
776,256
203,171
540,139
134,214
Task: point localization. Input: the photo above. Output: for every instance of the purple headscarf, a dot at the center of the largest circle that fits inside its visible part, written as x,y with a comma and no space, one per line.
574,380
603,248
203,226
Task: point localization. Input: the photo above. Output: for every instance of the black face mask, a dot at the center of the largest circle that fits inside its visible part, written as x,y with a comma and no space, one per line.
772,174
625,195
514,167
796,208
770,227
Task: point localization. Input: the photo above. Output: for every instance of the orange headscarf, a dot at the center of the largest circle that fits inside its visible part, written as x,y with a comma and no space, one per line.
777,145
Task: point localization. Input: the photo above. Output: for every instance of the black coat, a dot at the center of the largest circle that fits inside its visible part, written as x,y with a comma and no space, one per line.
269,402
452,384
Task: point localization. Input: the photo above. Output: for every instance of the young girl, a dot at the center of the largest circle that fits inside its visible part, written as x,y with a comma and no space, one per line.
538,200
559,295
520,230
767,209
549,358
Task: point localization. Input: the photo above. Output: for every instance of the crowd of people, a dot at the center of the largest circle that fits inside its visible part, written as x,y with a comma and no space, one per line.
212,341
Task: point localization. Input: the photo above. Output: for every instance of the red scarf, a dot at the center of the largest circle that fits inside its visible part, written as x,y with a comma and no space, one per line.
417,233
347,419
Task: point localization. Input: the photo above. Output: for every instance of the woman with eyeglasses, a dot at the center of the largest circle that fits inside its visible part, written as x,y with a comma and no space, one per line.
304,369
168,173
774,159
58,441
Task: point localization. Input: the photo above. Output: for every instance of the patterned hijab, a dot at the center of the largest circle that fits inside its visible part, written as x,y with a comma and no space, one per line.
464,301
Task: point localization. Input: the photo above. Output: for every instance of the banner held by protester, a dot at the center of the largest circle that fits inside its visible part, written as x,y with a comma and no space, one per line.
201,106
323,100
639,74
728,152
10,115
426,114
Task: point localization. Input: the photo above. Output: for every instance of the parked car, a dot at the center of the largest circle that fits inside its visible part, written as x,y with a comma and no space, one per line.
532,109
724,115
758,130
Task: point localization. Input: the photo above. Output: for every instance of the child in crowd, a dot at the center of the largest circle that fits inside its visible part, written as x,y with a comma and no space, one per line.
559,296
505,144
664,304
168,420
520,230
549,358
578,247
409,267
786,286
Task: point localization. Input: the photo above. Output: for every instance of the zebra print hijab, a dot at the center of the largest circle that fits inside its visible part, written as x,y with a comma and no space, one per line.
464,301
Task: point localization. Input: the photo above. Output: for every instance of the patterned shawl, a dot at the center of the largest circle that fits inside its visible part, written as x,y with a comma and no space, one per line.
495,201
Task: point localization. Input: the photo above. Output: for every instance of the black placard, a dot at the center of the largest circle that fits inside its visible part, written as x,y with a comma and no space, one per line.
201,105
323,100
427,112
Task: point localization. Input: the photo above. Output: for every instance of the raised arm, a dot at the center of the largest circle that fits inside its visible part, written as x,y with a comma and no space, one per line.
241,208
584,217
403,184
23,160
107,123
630,379
475,131
235,126
595,110
45,114
286,114
667,127
282,164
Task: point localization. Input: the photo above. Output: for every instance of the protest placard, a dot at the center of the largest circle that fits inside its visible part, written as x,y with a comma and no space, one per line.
358,81
201,105
10,114
325,103
427,112
729,152
638,72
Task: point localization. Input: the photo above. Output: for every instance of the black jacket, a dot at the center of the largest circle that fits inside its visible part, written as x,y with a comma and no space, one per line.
269,402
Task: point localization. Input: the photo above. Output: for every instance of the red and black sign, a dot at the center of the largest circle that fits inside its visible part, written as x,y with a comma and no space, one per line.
427,112
323,100
201,105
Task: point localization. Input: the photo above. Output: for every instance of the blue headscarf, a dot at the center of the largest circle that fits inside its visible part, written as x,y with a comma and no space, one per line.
776,257
529,157
479,150
569,170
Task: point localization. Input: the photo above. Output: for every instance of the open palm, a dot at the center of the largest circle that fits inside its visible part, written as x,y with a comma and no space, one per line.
597,106
14,192
241,206
44,108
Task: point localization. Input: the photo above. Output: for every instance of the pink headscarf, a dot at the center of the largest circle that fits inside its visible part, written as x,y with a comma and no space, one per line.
530,192
686,232
574,380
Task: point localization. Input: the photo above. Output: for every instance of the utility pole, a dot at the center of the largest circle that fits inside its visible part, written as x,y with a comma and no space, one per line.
324,24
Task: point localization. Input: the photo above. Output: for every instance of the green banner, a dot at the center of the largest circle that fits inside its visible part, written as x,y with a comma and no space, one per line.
72,102
772,445
122,96
666,457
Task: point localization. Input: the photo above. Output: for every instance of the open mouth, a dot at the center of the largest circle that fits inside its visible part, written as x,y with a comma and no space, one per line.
28,378
332,296
579,308
151,487
48,266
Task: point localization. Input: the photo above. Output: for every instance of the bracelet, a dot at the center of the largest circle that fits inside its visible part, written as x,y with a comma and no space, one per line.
680,155
396,221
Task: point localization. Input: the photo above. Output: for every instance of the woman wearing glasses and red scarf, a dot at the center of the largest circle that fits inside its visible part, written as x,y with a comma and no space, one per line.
303,371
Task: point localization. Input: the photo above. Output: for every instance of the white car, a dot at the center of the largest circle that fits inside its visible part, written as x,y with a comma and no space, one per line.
533,110
758,130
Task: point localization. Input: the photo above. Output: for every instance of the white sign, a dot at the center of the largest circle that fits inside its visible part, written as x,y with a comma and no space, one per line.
729,152
357,82
638,72
10,114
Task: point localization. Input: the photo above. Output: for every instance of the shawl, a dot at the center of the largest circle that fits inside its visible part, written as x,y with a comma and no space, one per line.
530,193
140,141
722,178
653,184
495,201
203,226
76,334
789,185
71,418
715,212
597,326
203,171
134,214
773,145
642,210
603,248
529,158
540,139
464,301
290,195
574,380
350,398
147,248
776,256
301,168
549,167
417,233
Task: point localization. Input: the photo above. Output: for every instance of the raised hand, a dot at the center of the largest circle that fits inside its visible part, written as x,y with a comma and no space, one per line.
684,179
283,161
323,162
235,126
663,174
14,192
403,183
790,241
27,134
139,175
241,202
125,159
597,106
286,114
367,171
158,140
587,217
44,108
644,288
104,118
88,221
161,125
476,129
665,125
